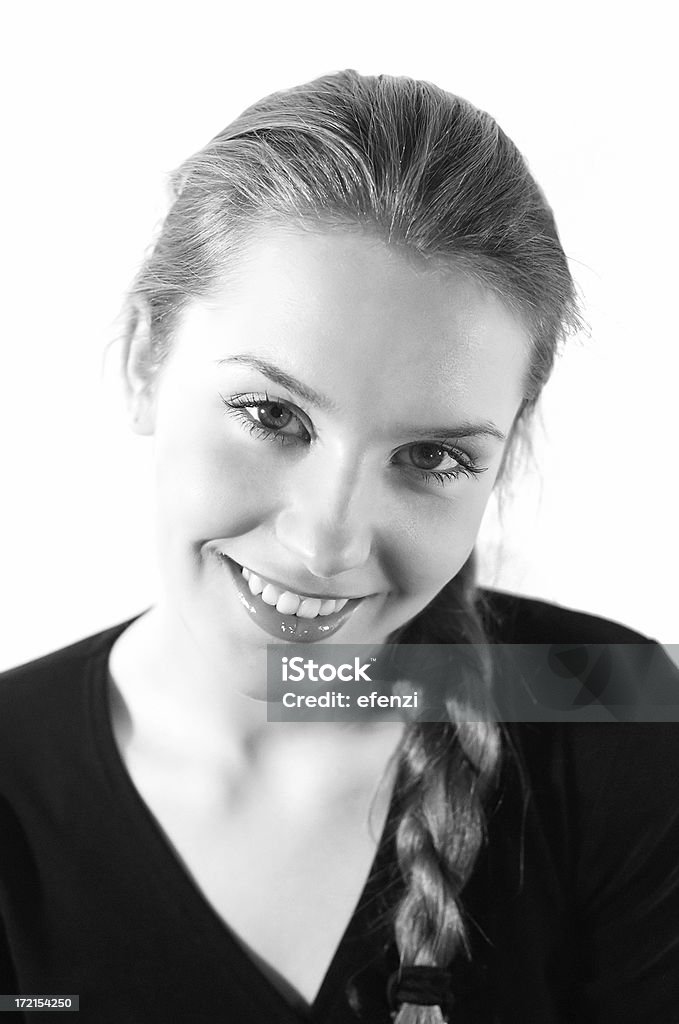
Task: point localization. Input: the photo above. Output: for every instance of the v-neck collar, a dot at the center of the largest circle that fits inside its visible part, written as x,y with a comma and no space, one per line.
366,937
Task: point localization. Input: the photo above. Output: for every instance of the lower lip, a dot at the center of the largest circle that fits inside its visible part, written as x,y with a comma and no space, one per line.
286,627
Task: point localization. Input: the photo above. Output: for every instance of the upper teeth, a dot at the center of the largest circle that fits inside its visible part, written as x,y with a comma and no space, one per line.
288,603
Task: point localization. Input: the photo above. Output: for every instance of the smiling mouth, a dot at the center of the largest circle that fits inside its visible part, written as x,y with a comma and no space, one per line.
287,602
285,614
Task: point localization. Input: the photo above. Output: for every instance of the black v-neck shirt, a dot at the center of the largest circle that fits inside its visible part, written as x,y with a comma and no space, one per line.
572,909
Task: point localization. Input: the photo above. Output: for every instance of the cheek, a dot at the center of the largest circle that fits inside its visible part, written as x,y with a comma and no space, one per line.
209,485
437,536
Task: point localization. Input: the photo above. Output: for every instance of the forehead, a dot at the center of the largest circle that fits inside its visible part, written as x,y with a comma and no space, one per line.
344,310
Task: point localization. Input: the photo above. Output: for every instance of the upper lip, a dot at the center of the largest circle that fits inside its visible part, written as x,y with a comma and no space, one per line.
302,591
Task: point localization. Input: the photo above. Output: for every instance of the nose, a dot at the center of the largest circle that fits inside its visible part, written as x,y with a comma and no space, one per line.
326,520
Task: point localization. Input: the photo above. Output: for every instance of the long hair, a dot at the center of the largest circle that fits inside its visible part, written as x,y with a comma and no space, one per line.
430,173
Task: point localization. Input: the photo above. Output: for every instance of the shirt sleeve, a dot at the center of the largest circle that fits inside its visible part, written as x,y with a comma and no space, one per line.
628,877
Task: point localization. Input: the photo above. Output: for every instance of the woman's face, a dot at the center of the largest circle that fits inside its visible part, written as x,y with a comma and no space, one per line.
328,427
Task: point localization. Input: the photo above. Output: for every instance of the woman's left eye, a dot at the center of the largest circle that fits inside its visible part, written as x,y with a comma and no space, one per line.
437,462
267,418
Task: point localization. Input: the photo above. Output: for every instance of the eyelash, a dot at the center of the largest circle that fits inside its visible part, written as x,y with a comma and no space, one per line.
236,404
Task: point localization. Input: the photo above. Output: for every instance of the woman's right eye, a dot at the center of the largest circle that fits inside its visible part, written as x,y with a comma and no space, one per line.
268,418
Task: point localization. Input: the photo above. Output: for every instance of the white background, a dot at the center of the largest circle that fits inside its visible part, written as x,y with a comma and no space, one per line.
102,102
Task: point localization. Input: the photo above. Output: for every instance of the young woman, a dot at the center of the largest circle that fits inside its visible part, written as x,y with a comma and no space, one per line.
336,342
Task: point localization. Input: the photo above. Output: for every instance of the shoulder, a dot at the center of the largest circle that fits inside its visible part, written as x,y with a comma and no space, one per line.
63,660
510,618
31,693
613,776
613,655
46,709
576,662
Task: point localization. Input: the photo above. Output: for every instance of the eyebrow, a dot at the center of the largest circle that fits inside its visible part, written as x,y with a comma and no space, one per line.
485,429
285,380
316,398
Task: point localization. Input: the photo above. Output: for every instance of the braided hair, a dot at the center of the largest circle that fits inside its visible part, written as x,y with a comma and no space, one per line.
446,773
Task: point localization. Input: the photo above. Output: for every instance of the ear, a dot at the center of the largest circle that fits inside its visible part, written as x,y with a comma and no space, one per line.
140,368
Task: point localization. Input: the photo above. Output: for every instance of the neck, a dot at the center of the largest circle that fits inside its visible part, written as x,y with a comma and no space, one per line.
168,685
